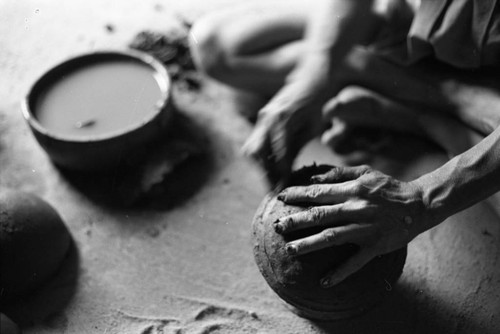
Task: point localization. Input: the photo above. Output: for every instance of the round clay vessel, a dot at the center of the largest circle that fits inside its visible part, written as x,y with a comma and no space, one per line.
33,243
296,279
100,152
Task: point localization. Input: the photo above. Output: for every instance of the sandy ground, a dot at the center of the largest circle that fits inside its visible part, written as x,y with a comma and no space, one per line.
190,269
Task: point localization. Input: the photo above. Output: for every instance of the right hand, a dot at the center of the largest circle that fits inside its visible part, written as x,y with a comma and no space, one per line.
286,124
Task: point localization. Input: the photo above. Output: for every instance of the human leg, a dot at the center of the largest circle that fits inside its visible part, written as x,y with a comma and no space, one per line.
251,49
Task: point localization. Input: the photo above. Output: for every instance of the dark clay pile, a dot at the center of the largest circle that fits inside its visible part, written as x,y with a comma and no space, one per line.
296,279
172,49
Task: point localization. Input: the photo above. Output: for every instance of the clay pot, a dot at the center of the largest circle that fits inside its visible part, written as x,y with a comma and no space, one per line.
33,243
296,279
108,151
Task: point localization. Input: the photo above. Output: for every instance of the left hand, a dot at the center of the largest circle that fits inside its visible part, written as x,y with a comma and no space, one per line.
355,205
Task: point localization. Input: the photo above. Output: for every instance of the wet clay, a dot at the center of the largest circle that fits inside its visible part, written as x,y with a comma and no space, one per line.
33,243
296,279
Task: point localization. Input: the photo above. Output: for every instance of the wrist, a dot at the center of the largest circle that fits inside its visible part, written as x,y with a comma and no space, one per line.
432,194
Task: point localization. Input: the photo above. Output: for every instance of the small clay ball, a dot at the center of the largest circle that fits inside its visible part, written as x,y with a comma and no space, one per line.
296,279
8,326
33,242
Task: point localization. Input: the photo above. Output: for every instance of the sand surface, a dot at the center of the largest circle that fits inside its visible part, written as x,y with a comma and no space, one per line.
190,269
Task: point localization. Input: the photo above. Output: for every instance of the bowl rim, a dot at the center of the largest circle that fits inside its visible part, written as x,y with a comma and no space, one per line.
70,64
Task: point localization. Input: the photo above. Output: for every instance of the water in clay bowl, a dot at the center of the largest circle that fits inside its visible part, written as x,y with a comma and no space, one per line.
94,110
296,279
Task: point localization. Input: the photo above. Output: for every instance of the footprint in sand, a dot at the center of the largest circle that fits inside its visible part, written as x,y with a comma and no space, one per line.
210,319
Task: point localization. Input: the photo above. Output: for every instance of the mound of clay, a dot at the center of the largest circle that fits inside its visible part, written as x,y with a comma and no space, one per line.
33,243
296,279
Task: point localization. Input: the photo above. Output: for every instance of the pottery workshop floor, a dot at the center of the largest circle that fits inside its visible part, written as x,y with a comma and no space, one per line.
189,268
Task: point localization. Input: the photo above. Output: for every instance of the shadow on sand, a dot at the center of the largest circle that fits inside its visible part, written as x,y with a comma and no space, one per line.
407,310
163,175
45,305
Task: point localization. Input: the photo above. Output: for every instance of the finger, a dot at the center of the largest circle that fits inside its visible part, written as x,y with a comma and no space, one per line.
352,233
258,147
257,144
287,139
362,107
336,133
347,268
328,215
349,100
283,151
341,174
318,193
313,217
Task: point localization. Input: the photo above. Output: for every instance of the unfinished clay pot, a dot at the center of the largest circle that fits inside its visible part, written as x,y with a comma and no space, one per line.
296,279
33,243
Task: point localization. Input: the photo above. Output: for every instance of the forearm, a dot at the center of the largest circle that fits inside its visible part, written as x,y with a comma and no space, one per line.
336,25
463,181
333,28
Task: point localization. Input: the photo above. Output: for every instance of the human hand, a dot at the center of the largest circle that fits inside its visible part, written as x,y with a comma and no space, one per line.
358,114
288,122
354,205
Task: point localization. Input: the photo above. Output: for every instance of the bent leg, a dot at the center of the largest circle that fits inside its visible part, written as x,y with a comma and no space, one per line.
470,97
356,107
250,49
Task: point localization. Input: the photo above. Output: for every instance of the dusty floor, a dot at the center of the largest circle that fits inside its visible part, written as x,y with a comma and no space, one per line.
189,269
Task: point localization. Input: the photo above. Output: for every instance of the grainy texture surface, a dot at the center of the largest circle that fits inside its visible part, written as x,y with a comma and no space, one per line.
189,268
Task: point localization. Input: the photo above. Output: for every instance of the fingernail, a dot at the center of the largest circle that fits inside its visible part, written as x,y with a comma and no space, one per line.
278,227
282,196
291,249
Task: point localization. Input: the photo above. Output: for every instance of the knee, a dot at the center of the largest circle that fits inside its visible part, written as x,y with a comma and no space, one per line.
209,51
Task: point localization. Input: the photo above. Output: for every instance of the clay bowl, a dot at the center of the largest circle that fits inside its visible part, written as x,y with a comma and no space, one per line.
296,278
101,151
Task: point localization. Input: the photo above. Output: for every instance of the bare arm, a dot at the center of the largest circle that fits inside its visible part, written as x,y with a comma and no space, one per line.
333,28
293,116
463,181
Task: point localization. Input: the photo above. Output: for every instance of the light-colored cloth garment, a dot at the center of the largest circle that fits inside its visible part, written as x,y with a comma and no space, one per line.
462,33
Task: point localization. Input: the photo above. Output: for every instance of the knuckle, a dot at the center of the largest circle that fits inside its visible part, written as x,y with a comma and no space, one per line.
313,192
330,176
334,172
316,214
329,235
